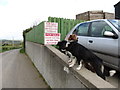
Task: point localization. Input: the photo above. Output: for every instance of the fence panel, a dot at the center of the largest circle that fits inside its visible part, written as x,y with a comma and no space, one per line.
36,34
39,33
64,26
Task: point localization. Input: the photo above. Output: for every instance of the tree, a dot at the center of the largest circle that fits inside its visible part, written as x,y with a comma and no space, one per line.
24,34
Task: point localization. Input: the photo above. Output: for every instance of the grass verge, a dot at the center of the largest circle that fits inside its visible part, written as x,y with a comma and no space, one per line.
22,50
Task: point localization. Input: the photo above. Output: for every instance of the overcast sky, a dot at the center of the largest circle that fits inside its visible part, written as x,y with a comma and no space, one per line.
18,15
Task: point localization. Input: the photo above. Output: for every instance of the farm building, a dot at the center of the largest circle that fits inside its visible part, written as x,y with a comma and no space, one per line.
117,10
91,15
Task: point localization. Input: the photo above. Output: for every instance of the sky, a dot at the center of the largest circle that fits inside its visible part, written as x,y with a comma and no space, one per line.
18,15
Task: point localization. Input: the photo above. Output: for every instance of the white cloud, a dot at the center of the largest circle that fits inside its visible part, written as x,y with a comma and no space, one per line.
18,15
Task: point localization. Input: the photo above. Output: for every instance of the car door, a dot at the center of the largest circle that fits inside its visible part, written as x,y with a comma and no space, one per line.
105,47
82,31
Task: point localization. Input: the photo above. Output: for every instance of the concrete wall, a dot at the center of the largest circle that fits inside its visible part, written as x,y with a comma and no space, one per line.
50,62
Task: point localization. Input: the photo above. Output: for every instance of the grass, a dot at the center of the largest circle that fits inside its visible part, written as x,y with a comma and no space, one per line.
7,48
0,49
22,50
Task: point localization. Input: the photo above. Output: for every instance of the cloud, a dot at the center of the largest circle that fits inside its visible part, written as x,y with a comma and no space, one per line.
3,2
18,15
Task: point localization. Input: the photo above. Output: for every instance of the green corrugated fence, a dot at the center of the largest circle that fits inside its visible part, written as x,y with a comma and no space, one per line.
36,34
64,26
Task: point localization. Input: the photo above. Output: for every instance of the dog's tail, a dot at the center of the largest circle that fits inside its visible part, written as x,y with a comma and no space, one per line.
99,69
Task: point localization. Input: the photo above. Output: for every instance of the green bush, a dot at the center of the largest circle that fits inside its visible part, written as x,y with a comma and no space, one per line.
22,50
7,48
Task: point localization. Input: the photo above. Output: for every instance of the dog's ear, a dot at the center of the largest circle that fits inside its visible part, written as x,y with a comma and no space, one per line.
70,37
61,42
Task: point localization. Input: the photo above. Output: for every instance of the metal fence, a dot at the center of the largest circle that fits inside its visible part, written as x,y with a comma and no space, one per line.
64,26
36,34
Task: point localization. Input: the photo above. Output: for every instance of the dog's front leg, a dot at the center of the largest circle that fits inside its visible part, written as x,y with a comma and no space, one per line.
70,56
70,60
73,62
80,65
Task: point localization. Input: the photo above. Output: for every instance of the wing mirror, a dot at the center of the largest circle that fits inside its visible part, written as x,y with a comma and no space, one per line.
110,34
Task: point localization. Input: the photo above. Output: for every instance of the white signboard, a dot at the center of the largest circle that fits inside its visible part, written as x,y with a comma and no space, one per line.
51,38
51,27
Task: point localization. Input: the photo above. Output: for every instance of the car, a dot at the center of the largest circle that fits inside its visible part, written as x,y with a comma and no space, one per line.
102,37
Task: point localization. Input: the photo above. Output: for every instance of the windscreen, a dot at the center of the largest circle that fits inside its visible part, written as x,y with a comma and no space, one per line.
116,23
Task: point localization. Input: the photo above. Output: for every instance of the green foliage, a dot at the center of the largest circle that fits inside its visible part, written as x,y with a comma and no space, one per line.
7,48
27,30
22,50
24,35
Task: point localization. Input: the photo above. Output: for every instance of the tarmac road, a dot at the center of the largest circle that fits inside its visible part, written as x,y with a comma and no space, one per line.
19,72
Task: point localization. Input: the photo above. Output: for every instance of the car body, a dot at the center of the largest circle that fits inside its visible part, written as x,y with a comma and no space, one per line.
102,37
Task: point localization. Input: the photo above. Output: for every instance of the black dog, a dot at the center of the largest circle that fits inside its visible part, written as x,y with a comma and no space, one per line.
72,58
82,53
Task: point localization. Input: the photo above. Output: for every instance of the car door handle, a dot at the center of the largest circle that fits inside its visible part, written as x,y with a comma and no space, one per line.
90,41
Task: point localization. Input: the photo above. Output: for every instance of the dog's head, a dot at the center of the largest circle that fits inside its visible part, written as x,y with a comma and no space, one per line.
62,45
72,37
66,45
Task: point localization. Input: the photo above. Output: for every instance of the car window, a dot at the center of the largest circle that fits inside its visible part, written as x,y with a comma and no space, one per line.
116,23
99,27
82,29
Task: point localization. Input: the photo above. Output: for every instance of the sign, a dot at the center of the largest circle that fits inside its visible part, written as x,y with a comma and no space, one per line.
51,35
51,38
50,27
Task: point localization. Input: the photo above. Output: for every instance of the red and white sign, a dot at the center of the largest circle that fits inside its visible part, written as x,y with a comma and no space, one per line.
50,27
51,38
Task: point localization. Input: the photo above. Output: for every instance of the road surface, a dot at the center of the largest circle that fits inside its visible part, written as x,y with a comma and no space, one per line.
19,72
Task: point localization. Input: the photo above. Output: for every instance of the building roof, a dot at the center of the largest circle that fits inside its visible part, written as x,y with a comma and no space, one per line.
117,4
